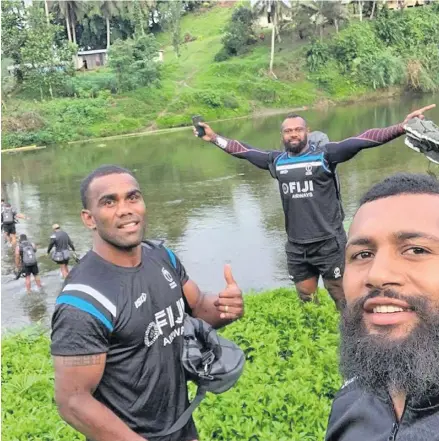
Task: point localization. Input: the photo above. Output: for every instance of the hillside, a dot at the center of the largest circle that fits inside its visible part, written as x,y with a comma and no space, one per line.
190,84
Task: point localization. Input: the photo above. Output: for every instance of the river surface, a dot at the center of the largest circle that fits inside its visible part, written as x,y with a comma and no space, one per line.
210,208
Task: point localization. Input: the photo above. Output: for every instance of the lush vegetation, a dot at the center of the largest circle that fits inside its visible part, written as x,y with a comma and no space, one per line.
284,394
218,62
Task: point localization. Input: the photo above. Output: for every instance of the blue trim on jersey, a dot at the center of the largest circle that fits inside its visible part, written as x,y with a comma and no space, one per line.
325,166
298,159
171,257
84,306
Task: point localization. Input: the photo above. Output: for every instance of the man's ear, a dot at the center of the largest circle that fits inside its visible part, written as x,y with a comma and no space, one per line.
308,129
88,220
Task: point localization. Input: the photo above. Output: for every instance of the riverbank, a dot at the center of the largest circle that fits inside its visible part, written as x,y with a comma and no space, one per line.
308,74
284,394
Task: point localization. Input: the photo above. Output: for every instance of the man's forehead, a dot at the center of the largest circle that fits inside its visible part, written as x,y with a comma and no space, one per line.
294,122
112,184
404,212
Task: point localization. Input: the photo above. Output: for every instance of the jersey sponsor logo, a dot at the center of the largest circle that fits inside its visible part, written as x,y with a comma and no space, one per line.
299,189
168,277
283,172
308,170
166,318
140,300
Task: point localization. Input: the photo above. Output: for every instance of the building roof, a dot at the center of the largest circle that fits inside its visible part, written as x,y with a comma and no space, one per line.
97,51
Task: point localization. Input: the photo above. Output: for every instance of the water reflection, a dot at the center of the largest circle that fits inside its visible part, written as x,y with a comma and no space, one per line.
211,208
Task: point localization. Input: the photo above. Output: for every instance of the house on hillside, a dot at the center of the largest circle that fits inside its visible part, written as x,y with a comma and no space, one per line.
98,57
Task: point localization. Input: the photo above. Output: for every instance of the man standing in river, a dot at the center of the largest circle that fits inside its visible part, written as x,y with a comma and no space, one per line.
310,194
118,322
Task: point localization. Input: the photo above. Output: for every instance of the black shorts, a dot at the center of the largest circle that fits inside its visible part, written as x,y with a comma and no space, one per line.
32,269
63,262
324,258
9,228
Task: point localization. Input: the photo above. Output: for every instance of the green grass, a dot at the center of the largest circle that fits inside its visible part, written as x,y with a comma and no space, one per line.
285,392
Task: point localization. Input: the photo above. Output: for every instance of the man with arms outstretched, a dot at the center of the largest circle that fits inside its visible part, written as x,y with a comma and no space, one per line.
306,172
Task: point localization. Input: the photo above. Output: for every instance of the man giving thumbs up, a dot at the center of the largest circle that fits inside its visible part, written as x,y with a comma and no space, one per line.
218,310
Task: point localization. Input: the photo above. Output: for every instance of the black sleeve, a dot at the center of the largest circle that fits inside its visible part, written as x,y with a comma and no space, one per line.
71,244
259,158
176,263
182,275
337,152
76,332
51,244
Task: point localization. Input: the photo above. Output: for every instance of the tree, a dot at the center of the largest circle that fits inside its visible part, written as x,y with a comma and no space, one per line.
45,65
109,9
239,34
72,11
14,33
134,61
273,9
172,13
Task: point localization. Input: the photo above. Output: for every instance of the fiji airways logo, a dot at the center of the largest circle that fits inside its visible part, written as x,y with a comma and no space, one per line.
168,277
308,170
299,189
168,324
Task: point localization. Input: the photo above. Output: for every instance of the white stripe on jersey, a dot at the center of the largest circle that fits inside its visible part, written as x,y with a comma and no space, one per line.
110,306
298,165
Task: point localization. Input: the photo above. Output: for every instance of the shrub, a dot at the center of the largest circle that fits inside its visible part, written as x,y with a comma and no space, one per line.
284,394
239,33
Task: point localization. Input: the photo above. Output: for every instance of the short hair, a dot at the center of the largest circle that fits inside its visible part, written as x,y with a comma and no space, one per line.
23,237
294,115
7,205
402,183
3,200
103,170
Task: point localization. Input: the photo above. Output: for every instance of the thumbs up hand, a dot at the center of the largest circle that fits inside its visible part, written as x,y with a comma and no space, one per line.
230,303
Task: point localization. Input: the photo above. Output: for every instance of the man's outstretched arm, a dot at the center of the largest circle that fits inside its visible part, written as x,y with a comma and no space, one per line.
342,151
259,158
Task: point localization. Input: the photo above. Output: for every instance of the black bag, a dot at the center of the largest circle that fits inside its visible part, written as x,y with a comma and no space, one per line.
209,360
60,256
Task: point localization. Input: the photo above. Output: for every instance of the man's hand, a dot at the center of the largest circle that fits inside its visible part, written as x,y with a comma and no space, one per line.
210,134
230,303
418,113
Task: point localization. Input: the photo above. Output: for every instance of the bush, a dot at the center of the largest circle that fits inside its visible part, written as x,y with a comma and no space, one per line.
355,45
383,69
133,62
285,392
89,85
317,55
222,55
239,33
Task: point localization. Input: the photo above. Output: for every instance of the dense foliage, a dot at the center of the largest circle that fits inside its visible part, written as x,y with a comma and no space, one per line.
284,394
398,48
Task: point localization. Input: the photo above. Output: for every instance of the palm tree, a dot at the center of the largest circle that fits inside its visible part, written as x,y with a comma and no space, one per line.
273,9
72,11
109,9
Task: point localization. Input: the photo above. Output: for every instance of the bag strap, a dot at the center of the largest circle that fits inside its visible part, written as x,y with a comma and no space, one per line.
185,416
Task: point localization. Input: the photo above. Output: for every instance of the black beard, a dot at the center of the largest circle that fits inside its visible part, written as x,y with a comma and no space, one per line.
295,148
379,363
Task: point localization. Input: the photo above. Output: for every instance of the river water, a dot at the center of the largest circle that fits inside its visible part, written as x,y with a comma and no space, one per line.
210,208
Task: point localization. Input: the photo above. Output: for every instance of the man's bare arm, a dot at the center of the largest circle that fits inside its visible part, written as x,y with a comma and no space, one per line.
216,309
76,378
